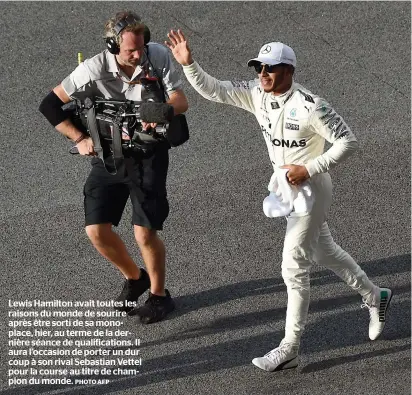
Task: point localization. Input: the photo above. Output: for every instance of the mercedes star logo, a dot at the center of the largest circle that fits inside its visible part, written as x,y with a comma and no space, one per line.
266,50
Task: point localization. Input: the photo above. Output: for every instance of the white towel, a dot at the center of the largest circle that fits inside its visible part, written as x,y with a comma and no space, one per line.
285,197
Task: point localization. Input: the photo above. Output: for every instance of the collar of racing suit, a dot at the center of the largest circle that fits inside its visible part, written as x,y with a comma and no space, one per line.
284,97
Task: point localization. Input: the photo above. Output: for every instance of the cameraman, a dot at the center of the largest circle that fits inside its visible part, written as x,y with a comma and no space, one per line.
115,74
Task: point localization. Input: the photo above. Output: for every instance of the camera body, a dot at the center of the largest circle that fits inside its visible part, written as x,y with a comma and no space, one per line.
126,118
108,113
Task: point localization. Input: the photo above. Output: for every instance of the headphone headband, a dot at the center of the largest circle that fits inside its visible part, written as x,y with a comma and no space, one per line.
111,42
129,20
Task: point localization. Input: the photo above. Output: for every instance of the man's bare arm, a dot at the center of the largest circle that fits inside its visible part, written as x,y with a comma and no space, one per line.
178,101
66,127
50,106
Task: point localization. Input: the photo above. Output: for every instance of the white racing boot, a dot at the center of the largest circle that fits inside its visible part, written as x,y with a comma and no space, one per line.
377,311
283,357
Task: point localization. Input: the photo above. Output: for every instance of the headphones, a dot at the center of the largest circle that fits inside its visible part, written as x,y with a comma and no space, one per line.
111,42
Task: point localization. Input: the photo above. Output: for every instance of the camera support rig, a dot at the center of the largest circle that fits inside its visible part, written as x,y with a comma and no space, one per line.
118,126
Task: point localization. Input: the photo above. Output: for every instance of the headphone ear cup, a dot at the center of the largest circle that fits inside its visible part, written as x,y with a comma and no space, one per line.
146,35
112,45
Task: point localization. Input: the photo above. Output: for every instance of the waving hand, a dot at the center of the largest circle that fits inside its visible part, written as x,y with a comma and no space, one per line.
179,47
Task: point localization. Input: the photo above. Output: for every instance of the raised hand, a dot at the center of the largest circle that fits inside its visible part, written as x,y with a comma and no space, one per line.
179,47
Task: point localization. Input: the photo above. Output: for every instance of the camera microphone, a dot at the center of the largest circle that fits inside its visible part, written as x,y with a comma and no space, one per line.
156,112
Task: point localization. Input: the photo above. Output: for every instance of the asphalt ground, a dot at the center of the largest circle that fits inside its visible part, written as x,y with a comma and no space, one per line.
223,254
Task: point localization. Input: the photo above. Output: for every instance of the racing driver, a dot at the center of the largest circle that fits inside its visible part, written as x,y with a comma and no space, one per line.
295,124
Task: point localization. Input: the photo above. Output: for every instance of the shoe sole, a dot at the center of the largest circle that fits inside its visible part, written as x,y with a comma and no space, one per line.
126,309
133,311
286,366
146,321
291,364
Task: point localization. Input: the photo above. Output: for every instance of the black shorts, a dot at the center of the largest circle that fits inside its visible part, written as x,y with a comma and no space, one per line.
143,178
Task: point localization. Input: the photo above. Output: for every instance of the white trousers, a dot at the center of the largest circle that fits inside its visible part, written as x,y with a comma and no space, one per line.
307,241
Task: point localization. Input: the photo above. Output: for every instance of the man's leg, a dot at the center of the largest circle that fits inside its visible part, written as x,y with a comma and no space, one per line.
159,303
298,257
299,251
109,244
153,254
105,197
333,257
147,187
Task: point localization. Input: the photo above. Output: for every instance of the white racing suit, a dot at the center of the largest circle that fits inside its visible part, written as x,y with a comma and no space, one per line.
295,126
